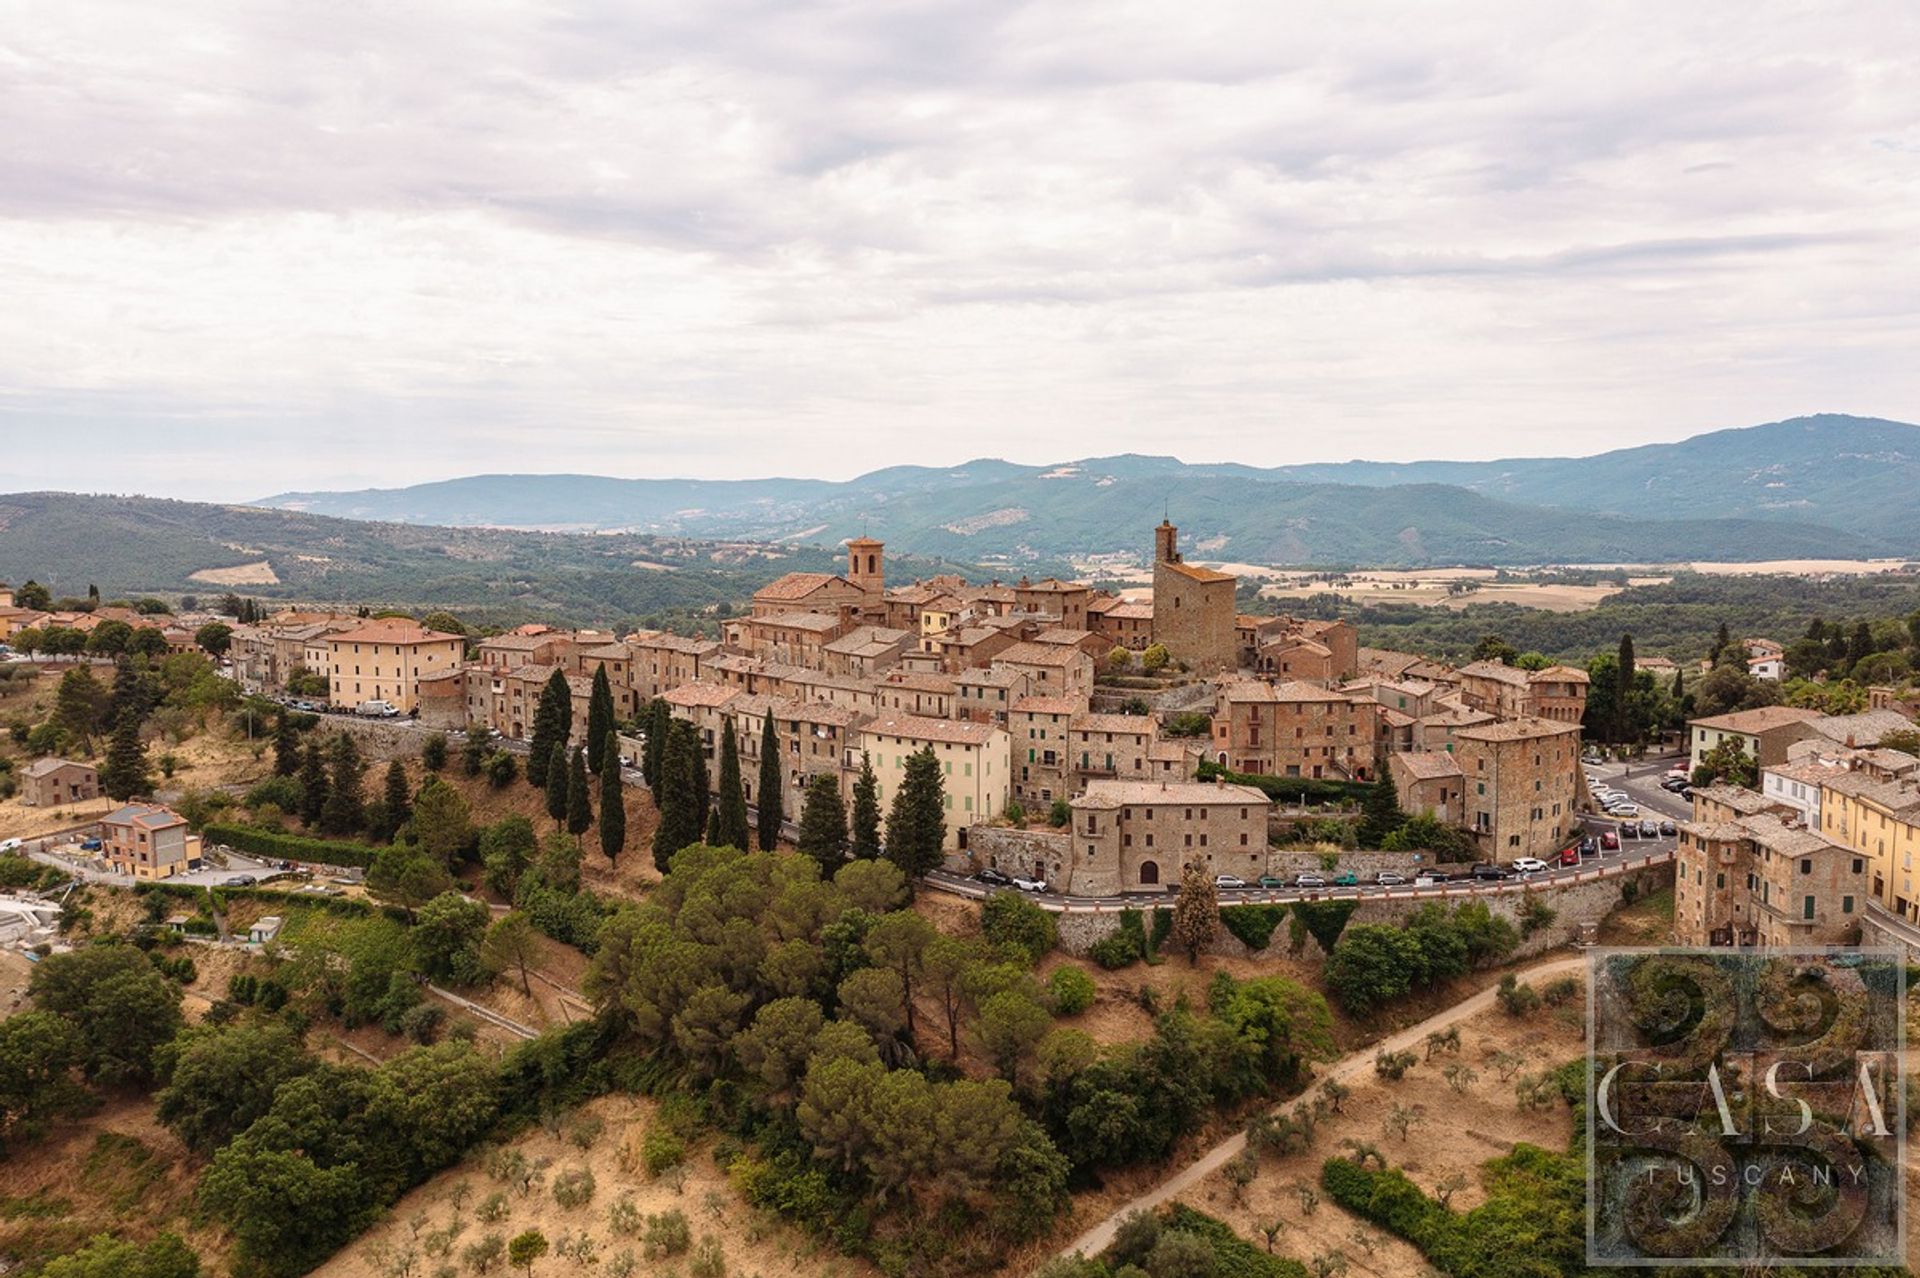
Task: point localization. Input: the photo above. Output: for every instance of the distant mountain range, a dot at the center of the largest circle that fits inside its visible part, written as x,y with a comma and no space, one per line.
1813,487
140,545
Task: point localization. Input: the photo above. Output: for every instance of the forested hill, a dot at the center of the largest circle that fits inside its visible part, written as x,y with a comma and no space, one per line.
138,545
1817,487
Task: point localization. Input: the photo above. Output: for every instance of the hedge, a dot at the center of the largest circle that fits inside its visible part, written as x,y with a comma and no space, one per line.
274,896
1302,790
1253,924
291,847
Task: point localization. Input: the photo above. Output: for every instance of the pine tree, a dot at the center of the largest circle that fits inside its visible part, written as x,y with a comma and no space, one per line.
79,704
125,773
770,796
917,822
286,746
613,798
579,795
313,783
730,811
599,719
129,689
659,730
399,798
679,808
866,811
559,783
823,823
552,725
345,809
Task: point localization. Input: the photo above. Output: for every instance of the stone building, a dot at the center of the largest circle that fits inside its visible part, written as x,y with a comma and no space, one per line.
1520,780
1429,781
1762,879
1558,693
1294,730
974,765
383,660
50,783
1193,609
1134,835
1764,733
1122,623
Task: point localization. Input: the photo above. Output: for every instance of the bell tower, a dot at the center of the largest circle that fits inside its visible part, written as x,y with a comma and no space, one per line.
1166,542
867,565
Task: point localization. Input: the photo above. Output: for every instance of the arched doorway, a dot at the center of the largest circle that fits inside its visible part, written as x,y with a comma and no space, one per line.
1149,874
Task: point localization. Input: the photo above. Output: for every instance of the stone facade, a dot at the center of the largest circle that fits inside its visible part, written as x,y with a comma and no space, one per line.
1133,835
1295,730
1193,613
1762,880
1520,781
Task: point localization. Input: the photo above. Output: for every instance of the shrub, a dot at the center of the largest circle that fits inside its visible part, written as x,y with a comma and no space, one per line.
1560,991
291,847
709,1259
1253,925
422,1022
660,1149
1059,814
1070,990
1015,813
624,1217
484,1253
1393,1066
573,1188
1116,950
668,1234
282,792
1516,997
492,1209
1012,922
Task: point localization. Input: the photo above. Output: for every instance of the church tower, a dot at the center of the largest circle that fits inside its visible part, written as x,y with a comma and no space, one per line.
867,566
1166,544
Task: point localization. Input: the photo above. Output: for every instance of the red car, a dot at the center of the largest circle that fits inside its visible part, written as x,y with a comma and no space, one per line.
1570,856
1610,840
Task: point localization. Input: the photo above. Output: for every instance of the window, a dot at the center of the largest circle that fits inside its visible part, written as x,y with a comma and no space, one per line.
1806,908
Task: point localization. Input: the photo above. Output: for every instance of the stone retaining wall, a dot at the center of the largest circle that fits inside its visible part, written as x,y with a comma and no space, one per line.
383,739
1575,906
1008,849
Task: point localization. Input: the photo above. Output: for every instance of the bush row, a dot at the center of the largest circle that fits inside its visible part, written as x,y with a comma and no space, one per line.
291,847
1289,789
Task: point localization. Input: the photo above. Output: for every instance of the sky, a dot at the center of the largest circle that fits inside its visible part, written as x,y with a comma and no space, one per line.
247,248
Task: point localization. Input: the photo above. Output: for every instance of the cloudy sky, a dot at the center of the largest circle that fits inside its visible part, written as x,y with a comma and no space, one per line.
254,246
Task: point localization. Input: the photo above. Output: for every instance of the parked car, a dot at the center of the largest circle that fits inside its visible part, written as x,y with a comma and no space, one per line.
1589,846
993,877
11,845
1570,855
1272,881
1668,829
1528,865
1491,872
1348,879
1673,785
1429,878
1649,828
1609,841
1228,881
1309,880
1387,878
1629,829
91,845
241,880
1029,885
377,709
1624,810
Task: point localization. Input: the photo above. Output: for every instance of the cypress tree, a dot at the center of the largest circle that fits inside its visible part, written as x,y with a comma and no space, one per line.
770,797
286,747
713,827
654,751
552,725
1380,813
479,745
678,827
730,812
823,823
600,719
559,783
345,809
702,793
398,798
125,772
917,822
1623,691
613,799
579,797
866,811
130,689
313,783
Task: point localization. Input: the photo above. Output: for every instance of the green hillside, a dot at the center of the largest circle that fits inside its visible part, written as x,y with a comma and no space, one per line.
135,545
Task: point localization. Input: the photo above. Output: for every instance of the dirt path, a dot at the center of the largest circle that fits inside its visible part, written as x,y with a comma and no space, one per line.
1100,1237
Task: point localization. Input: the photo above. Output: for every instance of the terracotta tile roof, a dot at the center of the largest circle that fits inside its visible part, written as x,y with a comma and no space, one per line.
813,621
798,585
1518,730
700,694
395,630
1863,729
914,727
1112,794
676,643
1194,572
1428,765
1761,719
1040,654
915,681
1046,705
1133,725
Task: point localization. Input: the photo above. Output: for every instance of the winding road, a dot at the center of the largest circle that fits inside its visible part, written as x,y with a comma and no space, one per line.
1100,1237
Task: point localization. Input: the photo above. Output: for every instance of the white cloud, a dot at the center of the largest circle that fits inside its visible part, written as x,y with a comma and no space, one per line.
299,246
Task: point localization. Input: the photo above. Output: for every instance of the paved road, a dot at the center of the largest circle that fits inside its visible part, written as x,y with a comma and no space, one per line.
1100,1237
